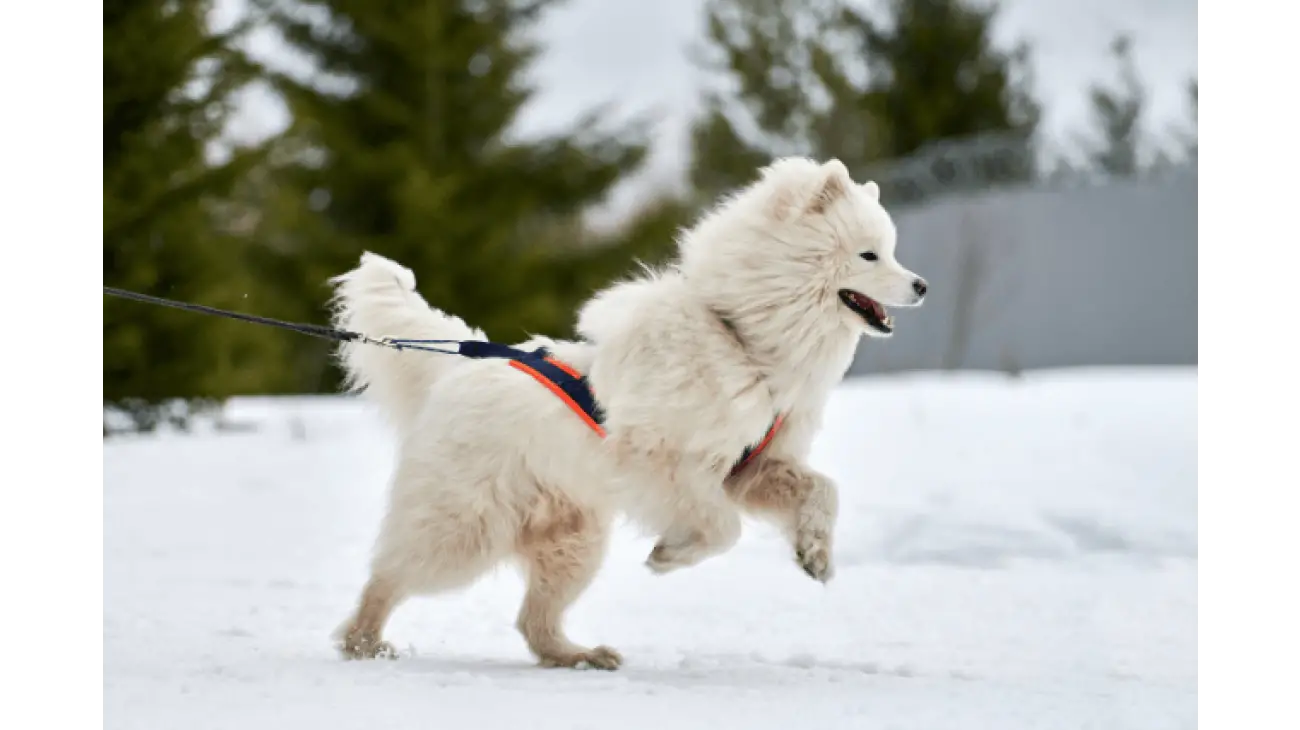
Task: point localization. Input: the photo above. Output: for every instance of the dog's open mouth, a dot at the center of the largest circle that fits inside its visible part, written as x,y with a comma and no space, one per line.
868,309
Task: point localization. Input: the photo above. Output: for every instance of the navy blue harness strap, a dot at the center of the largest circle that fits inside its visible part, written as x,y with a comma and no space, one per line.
575,390
562,380
478,349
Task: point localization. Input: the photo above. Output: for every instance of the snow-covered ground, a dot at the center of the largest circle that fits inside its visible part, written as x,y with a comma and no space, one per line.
1011,554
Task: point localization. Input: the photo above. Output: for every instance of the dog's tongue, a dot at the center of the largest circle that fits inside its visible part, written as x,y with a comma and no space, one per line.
871,304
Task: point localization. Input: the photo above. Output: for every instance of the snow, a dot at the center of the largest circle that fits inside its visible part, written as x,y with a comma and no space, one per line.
1011,553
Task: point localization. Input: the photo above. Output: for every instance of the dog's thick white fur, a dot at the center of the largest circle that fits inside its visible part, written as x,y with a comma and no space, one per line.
759,316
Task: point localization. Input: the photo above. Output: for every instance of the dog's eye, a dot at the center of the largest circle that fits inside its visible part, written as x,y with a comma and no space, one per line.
870,256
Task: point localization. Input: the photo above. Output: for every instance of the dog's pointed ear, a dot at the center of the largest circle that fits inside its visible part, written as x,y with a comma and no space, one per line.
835,184
784,204
872,189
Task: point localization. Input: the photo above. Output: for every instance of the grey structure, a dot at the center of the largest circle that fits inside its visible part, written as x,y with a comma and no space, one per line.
1101,274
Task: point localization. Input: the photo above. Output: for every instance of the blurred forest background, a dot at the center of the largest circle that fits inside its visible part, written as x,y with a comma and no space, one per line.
401,145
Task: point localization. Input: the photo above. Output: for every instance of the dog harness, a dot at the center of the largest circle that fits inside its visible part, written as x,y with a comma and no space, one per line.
564,381
574,390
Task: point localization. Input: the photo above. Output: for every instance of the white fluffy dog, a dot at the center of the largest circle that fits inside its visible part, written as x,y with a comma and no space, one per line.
757,319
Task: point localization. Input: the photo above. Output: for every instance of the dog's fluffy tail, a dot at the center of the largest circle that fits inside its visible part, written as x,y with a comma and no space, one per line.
378,299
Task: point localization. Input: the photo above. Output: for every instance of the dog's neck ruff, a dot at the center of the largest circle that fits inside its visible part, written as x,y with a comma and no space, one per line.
573,388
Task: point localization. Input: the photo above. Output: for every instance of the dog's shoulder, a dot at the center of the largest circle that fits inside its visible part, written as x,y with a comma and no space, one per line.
663,361
666,334
610,310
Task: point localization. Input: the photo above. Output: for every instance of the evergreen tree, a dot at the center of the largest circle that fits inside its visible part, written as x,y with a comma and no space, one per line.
167,85
407,153
1117,112
755,50
937,75
824,79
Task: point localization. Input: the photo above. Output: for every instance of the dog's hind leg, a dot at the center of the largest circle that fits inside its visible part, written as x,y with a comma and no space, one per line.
802,502
432,540
562,548
697,520
360,638
702,533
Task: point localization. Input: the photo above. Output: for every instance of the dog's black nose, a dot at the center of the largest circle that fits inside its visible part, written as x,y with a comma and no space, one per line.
919,287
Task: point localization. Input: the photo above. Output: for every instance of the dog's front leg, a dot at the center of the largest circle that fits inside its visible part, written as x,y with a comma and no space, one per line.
801,501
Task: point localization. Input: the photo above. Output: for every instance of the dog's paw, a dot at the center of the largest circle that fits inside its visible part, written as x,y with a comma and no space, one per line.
813,553
683,546
601,657
667,557
674,552
364,647
664,559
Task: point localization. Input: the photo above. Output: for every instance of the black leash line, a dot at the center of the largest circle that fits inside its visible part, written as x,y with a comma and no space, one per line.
311,330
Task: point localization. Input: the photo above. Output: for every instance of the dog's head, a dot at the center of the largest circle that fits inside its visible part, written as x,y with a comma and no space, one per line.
804,238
